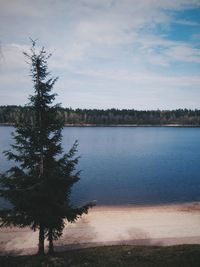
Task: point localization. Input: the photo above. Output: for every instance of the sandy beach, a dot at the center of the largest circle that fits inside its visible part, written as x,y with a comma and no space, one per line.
107,225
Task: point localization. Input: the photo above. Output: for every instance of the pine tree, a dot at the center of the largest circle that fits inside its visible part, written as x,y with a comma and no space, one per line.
38,188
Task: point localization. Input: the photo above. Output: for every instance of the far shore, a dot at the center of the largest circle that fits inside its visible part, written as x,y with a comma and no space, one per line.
117,125
161,225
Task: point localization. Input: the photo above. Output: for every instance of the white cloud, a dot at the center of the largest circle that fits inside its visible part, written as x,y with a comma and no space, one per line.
187,22
12,57
100,44
184,53
143,78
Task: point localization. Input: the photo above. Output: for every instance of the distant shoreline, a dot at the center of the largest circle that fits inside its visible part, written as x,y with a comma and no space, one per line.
118,125
130,125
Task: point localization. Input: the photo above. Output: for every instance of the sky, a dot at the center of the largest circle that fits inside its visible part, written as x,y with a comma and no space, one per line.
135,54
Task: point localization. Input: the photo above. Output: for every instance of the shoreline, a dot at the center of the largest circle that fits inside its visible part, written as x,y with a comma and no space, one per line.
162,225
131,125
190,207
120,125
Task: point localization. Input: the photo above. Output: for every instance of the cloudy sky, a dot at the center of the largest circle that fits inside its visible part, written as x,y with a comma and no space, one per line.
141,54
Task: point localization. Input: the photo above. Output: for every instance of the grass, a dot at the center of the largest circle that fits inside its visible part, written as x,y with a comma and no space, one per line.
113,256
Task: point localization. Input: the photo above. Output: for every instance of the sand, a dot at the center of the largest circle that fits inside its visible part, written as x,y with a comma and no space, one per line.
107,225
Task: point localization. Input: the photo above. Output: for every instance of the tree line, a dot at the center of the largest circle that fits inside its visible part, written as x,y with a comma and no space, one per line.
13,114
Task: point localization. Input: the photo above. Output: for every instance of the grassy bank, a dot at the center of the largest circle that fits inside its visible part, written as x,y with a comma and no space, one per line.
134,256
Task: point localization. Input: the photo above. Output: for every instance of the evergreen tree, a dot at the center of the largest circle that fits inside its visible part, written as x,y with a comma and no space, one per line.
38,188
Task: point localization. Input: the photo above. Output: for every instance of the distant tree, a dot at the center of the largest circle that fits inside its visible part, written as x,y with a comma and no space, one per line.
38,188
13,114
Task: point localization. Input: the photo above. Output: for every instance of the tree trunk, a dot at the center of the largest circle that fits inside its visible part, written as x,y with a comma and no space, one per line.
50,237
41,241
41,230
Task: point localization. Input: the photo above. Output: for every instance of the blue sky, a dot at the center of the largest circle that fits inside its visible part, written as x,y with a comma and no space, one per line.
141,54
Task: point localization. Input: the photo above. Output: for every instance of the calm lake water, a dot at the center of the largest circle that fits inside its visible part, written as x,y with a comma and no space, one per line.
131,165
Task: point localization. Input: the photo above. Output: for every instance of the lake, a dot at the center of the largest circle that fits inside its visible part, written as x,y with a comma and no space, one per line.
131,165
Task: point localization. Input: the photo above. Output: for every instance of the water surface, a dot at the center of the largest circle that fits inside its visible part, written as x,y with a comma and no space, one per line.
131,165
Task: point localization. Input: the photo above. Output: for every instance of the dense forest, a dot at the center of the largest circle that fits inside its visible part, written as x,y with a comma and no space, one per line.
13,114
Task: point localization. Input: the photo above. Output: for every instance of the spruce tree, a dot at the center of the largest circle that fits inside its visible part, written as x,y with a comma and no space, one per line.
38,188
